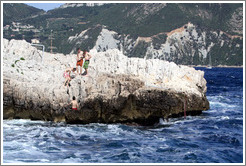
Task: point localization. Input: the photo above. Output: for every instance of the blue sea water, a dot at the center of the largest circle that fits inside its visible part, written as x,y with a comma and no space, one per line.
215,136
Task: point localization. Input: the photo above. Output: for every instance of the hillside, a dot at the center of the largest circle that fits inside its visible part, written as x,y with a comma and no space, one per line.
157,30
16,11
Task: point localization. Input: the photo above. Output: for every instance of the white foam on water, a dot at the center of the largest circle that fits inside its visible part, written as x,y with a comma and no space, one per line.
239,118
115,130
225,117
44,133
12,161
113,127
26,152
216,127
5,125
147,148
183,120
21,122
72,160
93,131
164,122
163,139
214,104
44,160
69,132
221,118
34,131
33,160
42,143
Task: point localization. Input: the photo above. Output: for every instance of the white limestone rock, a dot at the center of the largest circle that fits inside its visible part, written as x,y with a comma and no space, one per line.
112,76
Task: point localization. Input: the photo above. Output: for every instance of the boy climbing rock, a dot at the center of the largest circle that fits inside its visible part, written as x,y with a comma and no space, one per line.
87,57
67,75
74,104
79,59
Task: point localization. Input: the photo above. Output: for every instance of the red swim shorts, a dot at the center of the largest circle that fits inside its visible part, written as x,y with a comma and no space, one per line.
75,109
79,63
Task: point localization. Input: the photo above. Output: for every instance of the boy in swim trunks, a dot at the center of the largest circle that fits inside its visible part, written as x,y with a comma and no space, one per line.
87,57
67,76
74,103
79,59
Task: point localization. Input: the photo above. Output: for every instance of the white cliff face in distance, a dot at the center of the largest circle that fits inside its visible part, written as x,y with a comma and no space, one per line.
177,39
66,5
187,44
23,62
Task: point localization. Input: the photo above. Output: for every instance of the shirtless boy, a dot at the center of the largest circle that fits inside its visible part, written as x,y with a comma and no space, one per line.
87,57
74,103
79,59
67,76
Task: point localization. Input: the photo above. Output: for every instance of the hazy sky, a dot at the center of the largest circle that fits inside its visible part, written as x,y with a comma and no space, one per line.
45,6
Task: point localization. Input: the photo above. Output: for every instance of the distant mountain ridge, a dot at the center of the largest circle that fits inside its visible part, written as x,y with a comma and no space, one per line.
147,30
16,11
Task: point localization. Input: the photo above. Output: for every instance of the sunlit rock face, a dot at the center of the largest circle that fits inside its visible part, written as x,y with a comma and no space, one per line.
118,89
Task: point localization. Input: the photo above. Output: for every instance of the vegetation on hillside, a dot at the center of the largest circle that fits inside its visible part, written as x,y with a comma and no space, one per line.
134,19
16,11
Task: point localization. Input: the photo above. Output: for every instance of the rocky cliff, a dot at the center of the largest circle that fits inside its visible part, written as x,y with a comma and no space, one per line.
187,45
118,89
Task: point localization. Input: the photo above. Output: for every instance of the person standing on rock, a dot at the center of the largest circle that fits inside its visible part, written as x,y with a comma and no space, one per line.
74,104
87,57
79,59
67,76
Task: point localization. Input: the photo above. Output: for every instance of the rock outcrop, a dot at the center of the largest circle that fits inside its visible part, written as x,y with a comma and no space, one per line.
117,90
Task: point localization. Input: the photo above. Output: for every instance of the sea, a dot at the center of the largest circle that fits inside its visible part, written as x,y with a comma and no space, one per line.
215,136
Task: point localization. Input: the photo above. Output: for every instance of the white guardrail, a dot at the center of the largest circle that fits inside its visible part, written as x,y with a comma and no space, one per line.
43,50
